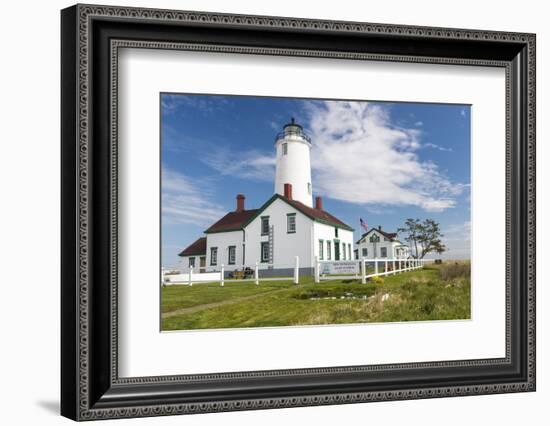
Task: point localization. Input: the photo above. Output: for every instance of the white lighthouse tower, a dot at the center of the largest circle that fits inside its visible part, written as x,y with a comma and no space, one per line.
293,165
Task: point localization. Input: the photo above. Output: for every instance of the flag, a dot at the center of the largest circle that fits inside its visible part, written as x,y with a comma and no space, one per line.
363,224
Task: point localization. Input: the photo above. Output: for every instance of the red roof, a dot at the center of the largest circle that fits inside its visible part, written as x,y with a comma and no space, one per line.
196,248
389,235
232,221
316,214
235,221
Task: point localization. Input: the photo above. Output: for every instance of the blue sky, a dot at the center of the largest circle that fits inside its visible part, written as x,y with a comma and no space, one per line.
381,161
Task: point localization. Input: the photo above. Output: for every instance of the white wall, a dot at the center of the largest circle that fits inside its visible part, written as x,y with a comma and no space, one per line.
390,246
286,246
29,312
326,233
183,263
222,240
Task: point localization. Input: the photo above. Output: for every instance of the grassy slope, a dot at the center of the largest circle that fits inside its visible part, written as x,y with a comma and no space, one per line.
178,296
414,296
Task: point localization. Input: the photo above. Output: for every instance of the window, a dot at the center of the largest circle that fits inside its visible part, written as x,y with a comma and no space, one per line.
383,252
336,232
364,252
291,223
265,252
231,255
265,225
336,250
191,262
321,246
213,256
285,149
329,250
309,188
374,238
349,251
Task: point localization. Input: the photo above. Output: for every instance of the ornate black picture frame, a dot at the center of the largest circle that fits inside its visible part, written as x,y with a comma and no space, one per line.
91,37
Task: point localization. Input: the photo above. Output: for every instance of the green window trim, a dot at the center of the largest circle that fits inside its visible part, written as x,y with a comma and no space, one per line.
262,258
262,219
213,256
321,249
229,260
337,251
288,222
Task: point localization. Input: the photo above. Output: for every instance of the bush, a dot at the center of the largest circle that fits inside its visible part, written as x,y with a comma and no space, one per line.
451,270
376,280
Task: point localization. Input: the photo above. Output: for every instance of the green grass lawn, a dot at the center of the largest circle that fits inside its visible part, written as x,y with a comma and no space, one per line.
411,296
180,296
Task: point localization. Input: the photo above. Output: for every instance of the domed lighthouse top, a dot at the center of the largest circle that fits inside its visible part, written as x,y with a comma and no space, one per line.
293,165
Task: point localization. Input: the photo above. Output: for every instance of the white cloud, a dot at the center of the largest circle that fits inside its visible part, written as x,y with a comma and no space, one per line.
206,104
419,124
439,147
251,164
185,201
360,157
275,126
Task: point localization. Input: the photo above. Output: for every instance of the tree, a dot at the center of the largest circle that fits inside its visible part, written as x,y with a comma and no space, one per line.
425,237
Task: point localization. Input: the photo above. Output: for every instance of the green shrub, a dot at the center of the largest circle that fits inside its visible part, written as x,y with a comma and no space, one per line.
376,280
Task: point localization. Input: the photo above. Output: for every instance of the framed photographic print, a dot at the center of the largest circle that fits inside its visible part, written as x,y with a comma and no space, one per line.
263,212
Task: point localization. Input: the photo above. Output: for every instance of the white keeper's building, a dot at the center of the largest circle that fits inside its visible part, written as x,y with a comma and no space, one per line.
377,243
287,225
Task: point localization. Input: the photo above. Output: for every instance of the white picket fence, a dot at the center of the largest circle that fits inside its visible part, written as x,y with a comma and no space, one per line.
190,277
382,267
358,268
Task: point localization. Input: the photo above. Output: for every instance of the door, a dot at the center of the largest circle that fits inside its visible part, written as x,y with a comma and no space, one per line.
336,250
202,264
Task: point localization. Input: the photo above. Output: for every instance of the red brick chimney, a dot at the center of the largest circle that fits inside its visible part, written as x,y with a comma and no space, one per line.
288,191
240,202
318,203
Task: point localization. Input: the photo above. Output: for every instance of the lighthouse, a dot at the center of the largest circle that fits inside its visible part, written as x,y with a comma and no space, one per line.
293,164
287,231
